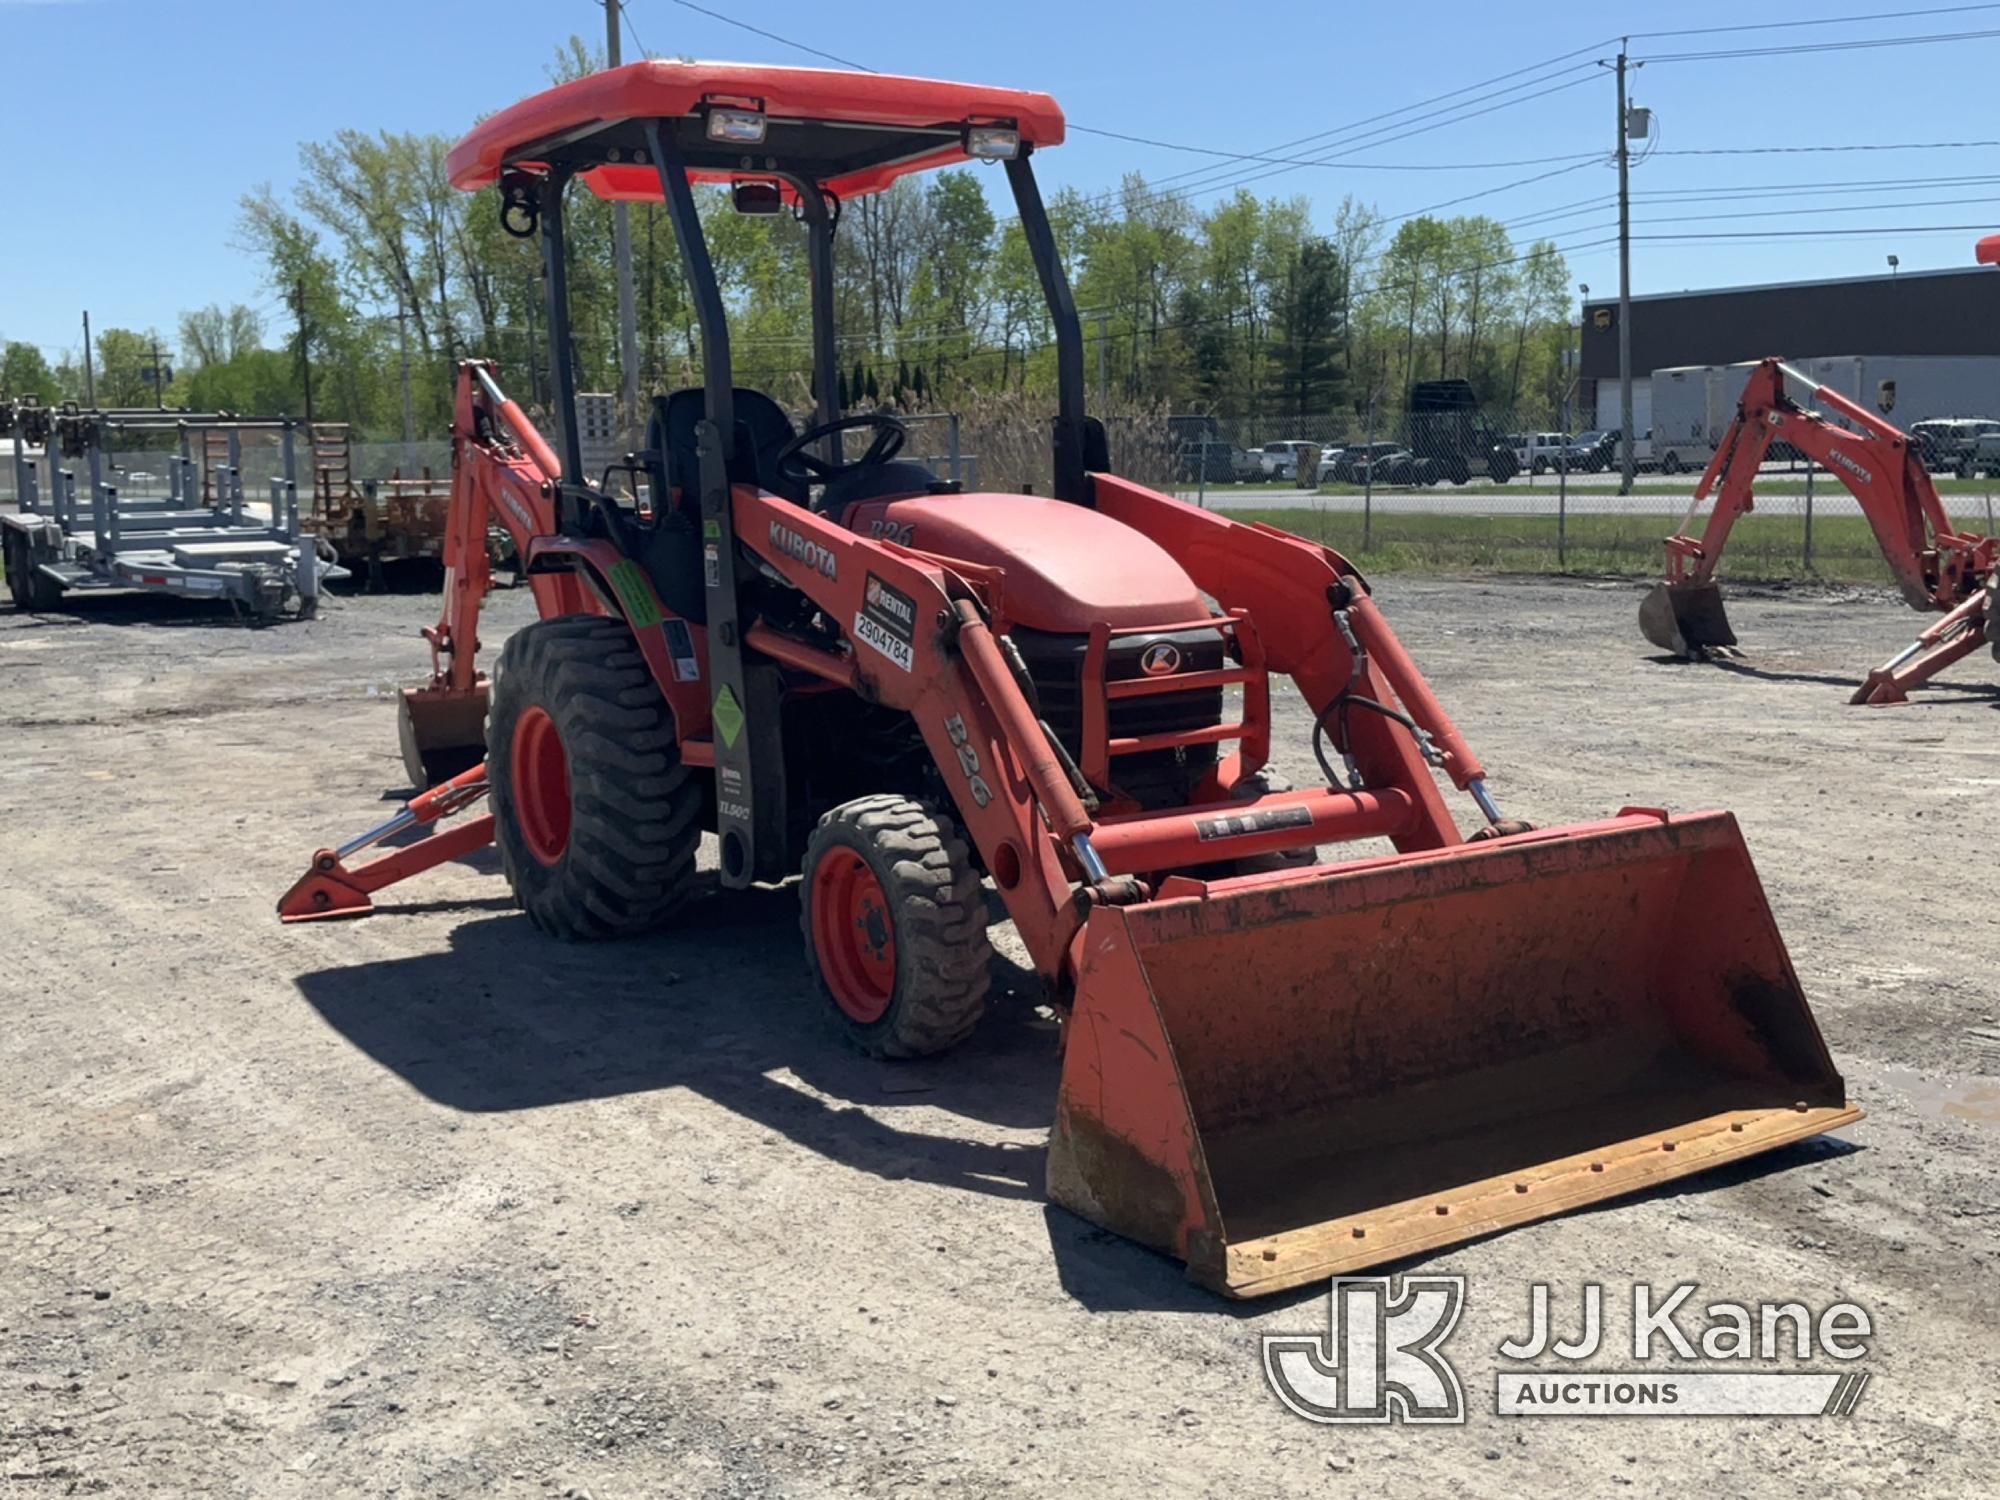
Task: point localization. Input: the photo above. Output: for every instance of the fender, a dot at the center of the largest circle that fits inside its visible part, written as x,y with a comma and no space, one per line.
622,589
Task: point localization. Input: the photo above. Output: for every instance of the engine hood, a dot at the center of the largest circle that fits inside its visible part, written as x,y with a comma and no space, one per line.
1067,567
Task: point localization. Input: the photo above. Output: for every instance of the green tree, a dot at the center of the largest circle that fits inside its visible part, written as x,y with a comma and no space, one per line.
1309,318
23,372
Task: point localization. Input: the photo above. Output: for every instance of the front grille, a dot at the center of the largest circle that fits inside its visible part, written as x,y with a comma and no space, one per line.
1153,778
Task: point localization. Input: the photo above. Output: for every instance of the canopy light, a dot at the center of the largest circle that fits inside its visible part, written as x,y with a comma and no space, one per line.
992,142
739,127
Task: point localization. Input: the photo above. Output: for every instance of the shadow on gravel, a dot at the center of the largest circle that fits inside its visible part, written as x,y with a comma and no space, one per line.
1105,1272
1941,692
511,1019
138,607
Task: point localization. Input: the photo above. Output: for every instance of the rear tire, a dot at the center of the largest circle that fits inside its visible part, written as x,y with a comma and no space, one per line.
895,926
26,585
595,816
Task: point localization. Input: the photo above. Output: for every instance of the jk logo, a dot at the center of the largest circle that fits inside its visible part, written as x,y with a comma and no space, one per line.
1379,1359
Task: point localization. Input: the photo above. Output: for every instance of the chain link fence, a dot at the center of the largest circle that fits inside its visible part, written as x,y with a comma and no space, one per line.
1451,486
1482,488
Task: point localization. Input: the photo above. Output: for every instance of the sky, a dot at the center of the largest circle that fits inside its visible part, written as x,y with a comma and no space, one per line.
136,125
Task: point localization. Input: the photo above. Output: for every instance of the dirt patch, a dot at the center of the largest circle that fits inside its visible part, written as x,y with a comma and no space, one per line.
432,1205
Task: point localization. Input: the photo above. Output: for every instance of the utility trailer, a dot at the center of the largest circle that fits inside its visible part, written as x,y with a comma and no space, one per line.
201,539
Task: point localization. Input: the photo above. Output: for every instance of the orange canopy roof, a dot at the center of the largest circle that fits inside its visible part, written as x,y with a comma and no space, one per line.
567,116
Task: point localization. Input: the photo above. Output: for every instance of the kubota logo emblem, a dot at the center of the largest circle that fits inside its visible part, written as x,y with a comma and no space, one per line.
812,554
1160,658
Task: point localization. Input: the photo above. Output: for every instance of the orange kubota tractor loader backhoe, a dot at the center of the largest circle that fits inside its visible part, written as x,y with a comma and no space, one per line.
1937,567
1273,1069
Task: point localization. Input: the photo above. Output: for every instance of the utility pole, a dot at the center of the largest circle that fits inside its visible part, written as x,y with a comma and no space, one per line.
1103,337
305,349
534,359
403,340
89,374
159,394
1625,433
621,243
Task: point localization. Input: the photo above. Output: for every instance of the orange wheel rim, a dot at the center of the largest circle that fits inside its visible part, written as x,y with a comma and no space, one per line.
541,785
853,935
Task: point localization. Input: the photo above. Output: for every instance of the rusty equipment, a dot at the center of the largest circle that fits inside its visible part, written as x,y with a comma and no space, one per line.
1274,1070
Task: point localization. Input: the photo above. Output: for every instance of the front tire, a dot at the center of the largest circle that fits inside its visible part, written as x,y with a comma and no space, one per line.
595,816
895,926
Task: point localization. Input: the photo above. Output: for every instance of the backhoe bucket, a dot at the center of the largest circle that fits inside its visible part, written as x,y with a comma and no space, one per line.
442,732
1685,618
1285,1077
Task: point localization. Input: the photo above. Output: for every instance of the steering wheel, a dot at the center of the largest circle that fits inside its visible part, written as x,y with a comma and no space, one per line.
801,467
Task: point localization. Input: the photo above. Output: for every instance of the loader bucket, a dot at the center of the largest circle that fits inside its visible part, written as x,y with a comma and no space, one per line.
1285,1077
442,732
1685,618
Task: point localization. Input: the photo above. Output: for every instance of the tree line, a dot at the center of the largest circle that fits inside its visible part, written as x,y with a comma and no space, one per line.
383,277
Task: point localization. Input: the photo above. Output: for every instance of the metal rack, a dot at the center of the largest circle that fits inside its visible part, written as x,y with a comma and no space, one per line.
202,539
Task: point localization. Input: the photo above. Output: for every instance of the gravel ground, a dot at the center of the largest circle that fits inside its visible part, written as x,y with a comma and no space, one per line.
430,1205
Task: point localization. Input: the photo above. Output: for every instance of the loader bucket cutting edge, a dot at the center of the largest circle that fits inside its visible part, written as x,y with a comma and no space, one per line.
1289,1077
1685,618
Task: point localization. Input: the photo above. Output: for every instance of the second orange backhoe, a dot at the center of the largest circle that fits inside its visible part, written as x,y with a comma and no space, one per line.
1936,565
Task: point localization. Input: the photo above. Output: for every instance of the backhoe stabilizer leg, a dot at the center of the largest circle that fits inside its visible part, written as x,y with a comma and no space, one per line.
1952,638
332,888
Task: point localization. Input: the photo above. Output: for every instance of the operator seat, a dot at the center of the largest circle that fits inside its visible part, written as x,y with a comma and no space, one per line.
670,550
762,430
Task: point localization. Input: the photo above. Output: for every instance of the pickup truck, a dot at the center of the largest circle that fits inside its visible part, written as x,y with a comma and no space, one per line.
1280,460
1539,452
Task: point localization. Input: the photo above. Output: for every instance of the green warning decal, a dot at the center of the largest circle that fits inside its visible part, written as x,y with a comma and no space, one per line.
635,594
728,716
711,529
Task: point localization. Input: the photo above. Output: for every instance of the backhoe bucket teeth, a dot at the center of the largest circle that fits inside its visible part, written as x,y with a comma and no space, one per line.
1285,1077
1685,618
442,732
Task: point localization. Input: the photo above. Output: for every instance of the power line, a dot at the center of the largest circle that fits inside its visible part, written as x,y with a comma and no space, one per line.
1823,150
1351,149
1237,156
1793,234
1308,161
782,41
1859,45
1815,22
625,12
1833,208
1815,189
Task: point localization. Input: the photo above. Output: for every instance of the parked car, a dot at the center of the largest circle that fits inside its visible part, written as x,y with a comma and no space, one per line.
1280,460
1390,463
1949,443
1591,451
1217,462
1984,458
1337,465
1597,451
1539,452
